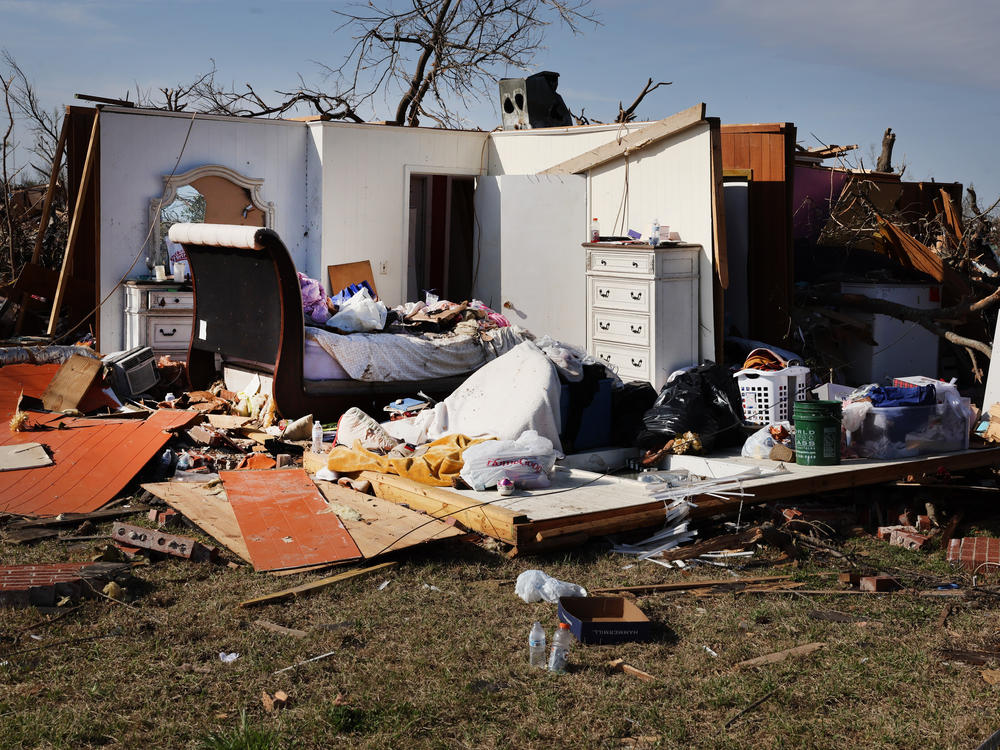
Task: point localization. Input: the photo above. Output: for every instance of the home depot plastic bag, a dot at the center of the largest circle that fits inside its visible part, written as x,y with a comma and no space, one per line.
360,313
527,462
536,586
704,400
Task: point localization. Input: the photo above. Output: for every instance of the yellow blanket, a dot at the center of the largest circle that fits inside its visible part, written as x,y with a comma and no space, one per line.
438,466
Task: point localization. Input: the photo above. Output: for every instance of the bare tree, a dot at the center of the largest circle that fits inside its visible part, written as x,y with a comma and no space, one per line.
440,54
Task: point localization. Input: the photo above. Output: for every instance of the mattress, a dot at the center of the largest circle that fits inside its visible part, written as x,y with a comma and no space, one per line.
389,357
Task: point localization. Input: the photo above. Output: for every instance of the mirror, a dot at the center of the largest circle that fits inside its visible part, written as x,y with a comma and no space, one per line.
212,193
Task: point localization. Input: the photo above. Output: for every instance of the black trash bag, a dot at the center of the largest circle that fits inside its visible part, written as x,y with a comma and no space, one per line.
705,400
628,405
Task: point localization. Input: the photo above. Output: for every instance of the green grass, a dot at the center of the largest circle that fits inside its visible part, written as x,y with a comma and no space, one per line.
416,668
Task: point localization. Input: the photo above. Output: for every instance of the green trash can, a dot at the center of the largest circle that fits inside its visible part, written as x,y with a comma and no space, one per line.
817,432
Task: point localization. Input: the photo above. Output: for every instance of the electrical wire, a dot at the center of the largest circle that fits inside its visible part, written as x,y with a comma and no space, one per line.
145,242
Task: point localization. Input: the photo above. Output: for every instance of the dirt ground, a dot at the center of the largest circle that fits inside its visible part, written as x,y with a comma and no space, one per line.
437,658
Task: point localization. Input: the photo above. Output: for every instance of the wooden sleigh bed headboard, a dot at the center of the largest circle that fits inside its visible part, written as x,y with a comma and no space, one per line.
248,316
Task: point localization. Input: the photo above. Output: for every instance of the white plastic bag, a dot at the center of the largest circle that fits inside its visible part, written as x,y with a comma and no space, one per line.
759,444
535,586
360,313
527,462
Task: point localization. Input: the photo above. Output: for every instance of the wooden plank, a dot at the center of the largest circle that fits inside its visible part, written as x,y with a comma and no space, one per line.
43,222
308,587
70,519
227,421
803,650
439,502
285,521
70,383
207,507
74,227
654,588
23,456
631,143
384,526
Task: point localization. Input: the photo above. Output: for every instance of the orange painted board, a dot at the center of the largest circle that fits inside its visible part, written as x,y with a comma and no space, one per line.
93,460
285,521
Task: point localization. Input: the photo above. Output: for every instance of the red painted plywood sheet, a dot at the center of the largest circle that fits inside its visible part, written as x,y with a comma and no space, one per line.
93,460
33,380
285,521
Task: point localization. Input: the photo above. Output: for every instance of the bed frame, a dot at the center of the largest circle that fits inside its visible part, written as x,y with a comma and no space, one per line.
248,317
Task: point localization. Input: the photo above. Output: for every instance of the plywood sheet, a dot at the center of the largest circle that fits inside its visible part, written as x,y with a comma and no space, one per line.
285,521
93,460
70,383
207,507
26,456
384,526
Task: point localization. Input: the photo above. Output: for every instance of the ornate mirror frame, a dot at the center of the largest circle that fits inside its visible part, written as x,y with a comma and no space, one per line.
172,183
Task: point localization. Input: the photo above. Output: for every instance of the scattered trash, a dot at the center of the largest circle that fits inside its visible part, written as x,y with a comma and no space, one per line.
619,665
536,586
710,652
536,646
273,704
382,586
228,658
559,651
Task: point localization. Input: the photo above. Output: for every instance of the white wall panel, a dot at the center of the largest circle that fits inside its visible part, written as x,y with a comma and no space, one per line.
139,148
366,188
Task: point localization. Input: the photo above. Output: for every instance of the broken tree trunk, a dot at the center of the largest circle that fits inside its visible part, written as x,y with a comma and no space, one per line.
885,158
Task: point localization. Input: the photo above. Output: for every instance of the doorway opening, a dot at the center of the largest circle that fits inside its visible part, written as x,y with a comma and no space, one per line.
440,257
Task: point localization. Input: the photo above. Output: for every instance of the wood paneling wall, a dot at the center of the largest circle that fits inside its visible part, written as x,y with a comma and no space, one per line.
768,151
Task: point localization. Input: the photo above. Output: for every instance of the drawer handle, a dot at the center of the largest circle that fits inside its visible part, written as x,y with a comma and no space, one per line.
636,362
636,296
635,328
177,300
163,302
604,262
164,333
605,293
606,357
635,264
604,326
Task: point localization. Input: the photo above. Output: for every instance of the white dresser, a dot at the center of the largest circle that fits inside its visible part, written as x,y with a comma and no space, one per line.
642,308
159,315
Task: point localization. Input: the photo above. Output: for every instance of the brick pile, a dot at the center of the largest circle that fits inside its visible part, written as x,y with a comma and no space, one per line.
974,552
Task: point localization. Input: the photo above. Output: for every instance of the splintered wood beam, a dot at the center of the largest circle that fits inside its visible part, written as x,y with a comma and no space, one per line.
632,142
307,587
43,222
74,227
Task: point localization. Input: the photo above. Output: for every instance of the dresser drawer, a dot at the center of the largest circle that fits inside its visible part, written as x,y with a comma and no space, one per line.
168,332
166,300
621,262
619,294
632,363
622,327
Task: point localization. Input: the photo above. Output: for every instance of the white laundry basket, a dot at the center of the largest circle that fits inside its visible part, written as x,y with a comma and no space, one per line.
767,395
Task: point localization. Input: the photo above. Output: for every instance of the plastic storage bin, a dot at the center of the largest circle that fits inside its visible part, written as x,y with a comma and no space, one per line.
768,395
905,431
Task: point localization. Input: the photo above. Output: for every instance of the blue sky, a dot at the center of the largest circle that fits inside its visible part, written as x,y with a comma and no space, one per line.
842,71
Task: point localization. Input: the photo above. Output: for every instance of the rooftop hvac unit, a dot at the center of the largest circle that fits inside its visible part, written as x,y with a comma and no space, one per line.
532,102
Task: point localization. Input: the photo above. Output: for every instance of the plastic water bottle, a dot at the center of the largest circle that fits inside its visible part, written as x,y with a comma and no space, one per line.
536,646
317,446
595,230
559,654
654,236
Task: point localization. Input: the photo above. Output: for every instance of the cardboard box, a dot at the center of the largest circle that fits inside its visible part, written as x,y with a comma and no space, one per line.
604,619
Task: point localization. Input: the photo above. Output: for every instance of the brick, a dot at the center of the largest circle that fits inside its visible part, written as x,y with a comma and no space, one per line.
974,552
907,539
851,579
161,541
165,518
41,585
923,523
878,583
